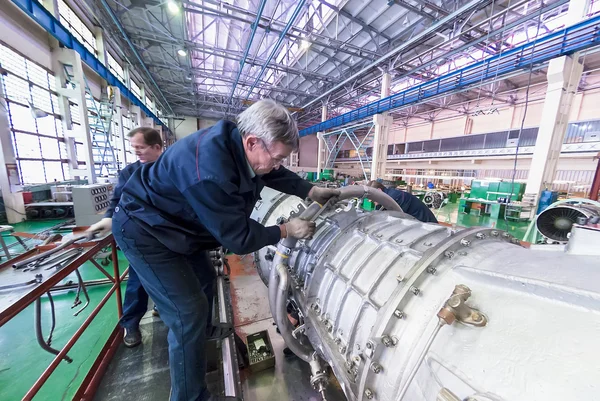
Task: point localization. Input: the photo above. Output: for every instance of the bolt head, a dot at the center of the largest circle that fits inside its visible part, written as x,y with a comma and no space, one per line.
399,314
376,368
368,394
369,345
342,349
415,290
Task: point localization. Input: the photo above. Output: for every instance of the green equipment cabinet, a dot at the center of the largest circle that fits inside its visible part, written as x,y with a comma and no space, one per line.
327,175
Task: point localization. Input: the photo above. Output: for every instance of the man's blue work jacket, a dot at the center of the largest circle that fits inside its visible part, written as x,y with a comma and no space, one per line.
124,176
411,205
200,193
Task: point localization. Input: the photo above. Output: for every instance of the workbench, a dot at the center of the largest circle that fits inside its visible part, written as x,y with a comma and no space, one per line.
27,289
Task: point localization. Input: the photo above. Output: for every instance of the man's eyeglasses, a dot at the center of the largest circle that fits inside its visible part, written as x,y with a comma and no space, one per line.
275,160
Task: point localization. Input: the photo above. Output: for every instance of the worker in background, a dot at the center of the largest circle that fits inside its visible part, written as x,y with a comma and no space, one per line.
409,203
197,196
148,146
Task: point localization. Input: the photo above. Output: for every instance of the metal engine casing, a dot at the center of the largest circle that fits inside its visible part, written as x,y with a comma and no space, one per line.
369,286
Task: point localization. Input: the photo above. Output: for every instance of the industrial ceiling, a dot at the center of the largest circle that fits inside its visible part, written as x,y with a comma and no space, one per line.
212,58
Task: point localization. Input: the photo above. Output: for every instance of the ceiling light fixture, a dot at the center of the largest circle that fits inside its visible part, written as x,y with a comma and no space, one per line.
173,7
305,44
182,52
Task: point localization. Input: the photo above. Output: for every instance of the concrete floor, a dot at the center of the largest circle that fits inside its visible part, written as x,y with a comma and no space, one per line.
22,361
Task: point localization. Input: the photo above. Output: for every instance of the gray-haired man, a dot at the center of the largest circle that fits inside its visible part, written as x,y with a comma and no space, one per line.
199,195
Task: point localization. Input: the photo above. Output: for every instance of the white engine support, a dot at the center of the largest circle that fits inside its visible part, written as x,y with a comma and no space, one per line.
385,301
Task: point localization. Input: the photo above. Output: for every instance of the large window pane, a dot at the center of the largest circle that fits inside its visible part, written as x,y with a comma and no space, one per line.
16,89
32,172
41,99
21,118
54,171
29,85
50,149
47,125
12,62
37,74
28,146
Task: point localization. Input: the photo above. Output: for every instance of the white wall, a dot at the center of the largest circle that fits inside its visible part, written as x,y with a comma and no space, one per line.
191,125
24,35
186,127
307,154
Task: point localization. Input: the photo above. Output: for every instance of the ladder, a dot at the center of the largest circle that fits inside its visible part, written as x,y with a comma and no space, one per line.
100,120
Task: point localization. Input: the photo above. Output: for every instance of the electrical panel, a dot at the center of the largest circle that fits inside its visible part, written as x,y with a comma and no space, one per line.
90,202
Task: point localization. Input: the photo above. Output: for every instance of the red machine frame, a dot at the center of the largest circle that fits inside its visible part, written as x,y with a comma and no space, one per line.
92,379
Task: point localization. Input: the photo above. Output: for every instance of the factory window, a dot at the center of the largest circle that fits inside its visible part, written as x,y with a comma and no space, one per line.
34,118
77,28
115,67
135,89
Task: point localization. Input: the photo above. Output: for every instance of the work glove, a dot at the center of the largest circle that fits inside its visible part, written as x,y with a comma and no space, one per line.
298,228
101,228
322,195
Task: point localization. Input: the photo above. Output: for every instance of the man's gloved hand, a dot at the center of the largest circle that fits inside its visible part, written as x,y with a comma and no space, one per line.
322,195
298,228
101,228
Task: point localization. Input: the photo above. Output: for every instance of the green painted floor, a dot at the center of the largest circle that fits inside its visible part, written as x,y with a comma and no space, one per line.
22,360
449,214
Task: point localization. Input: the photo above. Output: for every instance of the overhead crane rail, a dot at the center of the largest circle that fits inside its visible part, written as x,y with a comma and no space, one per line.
575,38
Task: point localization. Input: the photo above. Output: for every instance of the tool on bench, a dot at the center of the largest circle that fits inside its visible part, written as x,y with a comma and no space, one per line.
36,280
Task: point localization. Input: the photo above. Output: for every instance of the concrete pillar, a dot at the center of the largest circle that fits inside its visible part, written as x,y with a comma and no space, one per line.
100,46
60,58
564,75
10,181
127,76
322,152
118,118
382,128
136,112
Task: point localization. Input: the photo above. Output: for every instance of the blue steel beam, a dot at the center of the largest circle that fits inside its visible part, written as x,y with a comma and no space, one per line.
567,41
261,8
277,45
47,21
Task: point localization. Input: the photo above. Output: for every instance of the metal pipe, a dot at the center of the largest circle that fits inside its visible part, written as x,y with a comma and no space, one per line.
63,352
115,260
261,8
374,194
303,352
444,21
